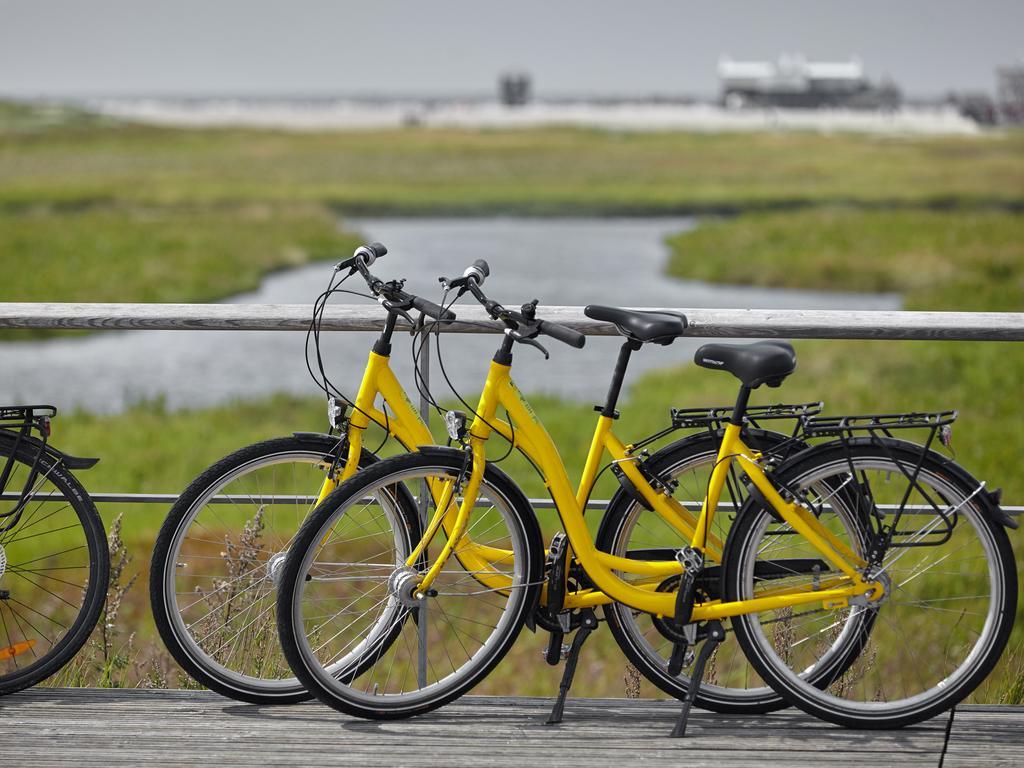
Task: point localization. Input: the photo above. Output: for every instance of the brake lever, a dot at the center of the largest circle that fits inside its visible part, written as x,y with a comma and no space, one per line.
531,341
449,284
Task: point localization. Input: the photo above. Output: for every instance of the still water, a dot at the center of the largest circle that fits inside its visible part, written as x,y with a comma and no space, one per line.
559,261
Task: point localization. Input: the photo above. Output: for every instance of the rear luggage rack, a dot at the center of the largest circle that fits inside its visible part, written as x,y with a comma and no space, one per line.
12,416
885,519
21,421
693,418
884,423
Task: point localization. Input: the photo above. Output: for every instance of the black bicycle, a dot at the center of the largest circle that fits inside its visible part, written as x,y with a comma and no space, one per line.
54,563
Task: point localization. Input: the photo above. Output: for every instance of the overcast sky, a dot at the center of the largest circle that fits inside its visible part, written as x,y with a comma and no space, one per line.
195,47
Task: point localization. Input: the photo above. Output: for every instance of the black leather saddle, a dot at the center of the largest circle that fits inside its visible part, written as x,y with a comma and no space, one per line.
638,325
763,362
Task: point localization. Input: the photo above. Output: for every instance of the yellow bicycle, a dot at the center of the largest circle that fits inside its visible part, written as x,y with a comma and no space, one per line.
218,556
869,580
216,559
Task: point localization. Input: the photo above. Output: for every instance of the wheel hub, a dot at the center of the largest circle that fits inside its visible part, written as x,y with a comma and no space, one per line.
404,584
874,575
3,561
885,580
275,566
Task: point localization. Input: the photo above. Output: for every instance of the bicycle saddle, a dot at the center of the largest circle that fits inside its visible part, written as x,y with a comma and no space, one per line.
639,325
763,362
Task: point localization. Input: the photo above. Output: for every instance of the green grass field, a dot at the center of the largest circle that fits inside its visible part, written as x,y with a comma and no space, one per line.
558,170
98,209
967,260
94,210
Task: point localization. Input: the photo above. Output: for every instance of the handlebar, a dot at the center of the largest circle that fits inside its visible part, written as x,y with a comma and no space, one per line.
392,291
563,333
430,309
524,325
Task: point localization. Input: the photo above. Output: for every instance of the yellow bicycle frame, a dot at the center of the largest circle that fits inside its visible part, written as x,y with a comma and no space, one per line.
533,440
404,423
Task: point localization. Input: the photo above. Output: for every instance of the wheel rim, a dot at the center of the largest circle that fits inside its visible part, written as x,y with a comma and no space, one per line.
936,625
360,638
222,595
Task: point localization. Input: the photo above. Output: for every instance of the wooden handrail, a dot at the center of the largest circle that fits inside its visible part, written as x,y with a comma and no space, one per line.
736,323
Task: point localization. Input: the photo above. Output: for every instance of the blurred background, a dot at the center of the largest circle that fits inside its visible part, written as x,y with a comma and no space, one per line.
727,154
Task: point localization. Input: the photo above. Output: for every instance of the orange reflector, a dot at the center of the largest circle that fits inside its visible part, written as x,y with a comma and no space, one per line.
13,650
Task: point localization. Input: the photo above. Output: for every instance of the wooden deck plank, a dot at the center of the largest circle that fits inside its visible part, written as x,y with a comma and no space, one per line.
986,736
45,727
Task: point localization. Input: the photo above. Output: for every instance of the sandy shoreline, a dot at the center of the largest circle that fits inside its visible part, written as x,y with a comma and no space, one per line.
359,115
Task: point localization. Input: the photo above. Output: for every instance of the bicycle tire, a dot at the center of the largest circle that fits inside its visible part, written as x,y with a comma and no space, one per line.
38,606
252,668
935,640
313,585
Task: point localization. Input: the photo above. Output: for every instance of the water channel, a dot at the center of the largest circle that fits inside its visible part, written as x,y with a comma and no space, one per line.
617,261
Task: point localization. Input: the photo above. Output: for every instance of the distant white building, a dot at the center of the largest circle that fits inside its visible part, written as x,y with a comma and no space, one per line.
794,81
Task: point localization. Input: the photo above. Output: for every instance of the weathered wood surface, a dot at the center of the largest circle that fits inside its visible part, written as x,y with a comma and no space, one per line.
986,736
50,727
739,323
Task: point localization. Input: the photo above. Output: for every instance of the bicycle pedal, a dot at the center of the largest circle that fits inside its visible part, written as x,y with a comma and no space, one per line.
682,652
556,650
677,660
557,568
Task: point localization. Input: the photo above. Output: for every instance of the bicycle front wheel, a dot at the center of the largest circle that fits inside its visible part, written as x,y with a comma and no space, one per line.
213,577
54,568
950,576
351,622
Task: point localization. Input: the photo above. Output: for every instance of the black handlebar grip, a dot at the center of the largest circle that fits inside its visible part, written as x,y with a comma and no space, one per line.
368,254
563,333
431,309
478,271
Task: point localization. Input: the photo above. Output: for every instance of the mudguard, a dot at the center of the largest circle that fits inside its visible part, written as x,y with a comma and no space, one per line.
7,440
500,480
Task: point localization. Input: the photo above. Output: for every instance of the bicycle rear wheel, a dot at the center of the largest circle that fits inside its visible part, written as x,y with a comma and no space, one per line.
950,599
54,568
213,577
350,623
730,685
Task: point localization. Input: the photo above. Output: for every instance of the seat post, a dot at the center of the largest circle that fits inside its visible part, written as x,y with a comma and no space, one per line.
628,347
740,410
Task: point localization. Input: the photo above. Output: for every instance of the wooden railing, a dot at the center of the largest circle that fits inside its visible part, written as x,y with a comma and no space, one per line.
719,323
735,323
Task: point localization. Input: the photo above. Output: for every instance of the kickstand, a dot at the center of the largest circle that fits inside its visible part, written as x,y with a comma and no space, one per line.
588,625
716,634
